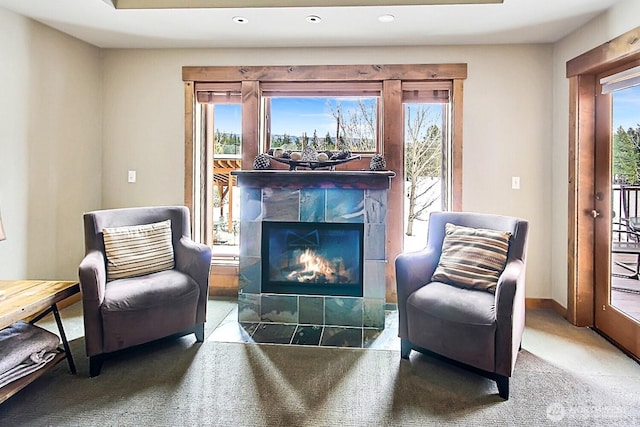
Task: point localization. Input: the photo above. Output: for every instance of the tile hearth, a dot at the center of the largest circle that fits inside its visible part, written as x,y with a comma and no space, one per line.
231,330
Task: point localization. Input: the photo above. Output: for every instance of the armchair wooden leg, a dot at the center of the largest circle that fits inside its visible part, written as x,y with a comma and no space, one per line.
503,386
95,365
199,331
405,349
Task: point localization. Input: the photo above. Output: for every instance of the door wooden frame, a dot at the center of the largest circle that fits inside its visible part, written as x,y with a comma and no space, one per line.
583,122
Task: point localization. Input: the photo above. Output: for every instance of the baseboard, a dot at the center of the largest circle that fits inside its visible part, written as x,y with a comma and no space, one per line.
69,301
222,292
545,304
562,311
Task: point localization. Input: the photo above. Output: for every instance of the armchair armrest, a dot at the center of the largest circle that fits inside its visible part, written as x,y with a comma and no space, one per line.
413,270
93,279
506,288
510,315
194,259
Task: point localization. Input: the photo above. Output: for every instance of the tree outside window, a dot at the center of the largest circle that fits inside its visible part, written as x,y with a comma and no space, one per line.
423,161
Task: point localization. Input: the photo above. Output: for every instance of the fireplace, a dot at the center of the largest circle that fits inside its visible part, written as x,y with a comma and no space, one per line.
285,215
312,258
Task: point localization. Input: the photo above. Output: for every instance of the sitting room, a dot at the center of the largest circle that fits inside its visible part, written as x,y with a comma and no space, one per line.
276,213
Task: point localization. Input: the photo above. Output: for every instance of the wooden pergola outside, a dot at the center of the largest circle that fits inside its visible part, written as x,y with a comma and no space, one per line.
224,182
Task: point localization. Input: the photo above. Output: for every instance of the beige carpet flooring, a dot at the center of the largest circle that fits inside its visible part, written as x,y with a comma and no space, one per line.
564,376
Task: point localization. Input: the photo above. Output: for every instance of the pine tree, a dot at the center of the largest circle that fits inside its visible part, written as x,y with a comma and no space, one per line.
315,141
328,142
626,156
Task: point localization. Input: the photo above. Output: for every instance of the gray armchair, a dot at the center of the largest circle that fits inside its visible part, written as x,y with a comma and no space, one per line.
473,328
125,312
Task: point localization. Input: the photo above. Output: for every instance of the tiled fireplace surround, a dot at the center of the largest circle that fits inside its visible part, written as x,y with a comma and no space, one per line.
313,196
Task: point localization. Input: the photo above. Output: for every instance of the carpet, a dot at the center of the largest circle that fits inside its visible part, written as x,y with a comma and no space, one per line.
179,382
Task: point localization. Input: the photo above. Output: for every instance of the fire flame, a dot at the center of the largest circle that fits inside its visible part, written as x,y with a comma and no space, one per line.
314,267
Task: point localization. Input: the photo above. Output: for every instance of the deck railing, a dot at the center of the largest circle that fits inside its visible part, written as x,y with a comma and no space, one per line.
626,211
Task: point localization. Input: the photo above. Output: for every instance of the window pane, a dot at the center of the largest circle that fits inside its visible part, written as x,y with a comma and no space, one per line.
425,145
227,150
625,197
324,123
227,119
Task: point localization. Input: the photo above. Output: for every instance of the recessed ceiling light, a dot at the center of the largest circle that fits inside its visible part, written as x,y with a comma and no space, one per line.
386,18
239,19
314,19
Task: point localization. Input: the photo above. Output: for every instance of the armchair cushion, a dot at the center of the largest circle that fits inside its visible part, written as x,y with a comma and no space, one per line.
138,250
159,304
472,257
455,322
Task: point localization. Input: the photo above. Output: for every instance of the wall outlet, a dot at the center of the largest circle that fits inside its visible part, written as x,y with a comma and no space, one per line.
131,176
515,182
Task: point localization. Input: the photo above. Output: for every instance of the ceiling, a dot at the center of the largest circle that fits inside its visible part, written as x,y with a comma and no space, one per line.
514,21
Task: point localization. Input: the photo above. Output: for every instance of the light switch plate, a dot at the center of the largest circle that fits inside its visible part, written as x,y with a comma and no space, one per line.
515,182
131,176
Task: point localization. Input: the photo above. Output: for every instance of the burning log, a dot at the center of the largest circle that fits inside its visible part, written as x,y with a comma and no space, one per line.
312,268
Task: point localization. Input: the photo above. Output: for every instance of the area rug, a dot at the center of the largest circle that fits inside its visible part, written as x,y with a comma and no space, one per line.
179,382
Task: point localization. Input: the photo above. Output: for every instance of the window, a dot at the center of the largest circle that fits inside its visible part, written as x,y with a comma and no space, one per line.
358,107
427,165
325,116
219,115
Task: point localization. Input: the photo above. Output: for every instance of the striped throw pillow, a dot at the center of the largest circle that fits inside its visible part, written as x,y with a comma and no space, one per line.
472,257
137,250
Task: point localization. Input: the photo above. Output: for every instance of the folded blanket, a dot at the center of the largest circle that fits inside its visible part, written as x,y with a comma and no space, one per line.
32,364
20,341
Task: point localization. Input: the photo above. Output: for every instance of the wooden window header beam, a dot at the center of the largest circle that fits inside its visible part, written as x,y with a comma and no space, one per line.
609,54
336,73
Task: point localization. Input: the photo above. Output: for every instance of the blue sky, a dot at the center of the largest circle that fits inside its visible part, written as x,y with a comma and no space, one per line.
288,115
228,118
626,108
297,115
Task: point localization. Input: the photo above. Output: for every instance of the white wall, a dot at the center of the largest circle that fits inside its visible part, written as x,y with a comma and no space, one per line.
50,147
507,125
59,160
623,17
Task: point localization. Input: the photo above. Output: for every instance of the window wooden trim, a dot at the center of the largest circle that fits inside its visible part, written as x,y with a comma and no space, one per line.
359,88
392,135
432,92
335,73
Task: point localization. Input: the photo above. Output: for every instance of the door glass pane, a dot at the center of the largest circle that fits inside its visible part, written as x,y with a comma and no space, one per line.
227,150
425,153
625,281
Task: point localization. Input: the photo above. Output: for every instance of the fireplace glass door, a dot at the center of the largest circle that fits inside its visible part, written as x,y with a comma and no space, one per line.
312,258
